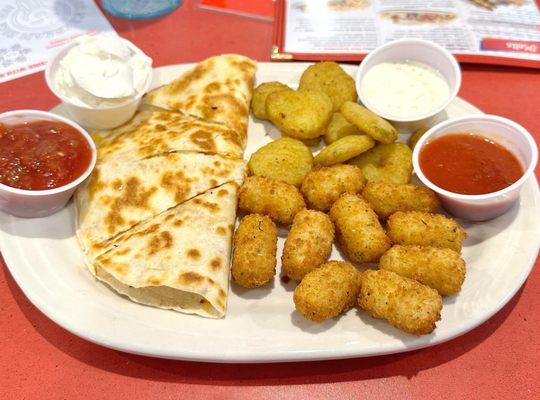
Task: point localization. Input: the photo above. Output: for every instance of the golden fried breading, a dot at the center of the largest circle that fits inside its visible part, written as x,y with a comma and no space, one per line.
406,304
323,186
391,163
339,127
358,230
308,244
262,195
301,115
286,159
387,198
328,77
368,122
327,291
260,93
425,229
441,269
344,149
254,256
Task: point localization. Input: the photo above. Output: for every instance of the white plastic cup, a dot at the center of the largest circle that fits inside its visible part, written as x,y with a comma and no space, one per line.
41,203
501,130
423,51
105,117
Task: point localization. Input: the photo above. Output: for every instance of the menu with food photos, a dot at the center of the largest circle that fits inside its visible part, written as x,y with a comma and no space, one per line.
480,31
31,31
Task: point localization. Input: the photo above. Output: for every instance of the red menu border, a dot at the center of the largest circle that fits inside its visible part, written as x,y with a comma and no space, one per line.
278,53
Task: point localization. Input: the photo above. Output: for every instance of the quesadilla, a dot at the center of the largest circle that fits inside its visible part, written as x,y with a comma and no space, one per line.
122,194
217,89
151,133
179,259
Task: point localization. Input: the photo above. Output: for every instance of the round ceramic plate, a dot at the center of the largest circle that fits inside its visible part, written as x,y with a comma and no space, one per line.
261,325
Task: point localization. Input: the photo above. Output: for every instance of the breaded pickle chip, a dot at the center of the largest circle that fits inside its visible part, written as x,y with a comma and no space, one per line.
405,303
390,163
344,149
415,137
327,291
323,186
301,115
440,269
286,159
368,122
388,198
425,229
308,244
358,230
260,93
328,77
267,196
339,127
254,256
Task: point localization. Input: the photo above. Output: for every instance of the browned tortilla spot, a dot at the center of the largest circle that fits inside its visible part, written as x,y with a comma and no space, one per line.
204,139
221,230
222,293
194,253
176,183
158,242
153,281
123,251
222,193
131,195
160,127
190,278
215,263
178,222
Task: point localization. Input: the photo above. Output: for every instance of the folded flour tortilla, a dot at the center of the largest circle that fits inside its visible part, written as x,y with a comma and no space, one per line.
179,259
217,89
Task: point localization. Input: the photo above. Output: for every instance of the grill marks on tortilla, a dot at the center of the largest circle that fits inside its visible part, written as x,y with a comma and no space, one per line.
131,195
163,240
177,183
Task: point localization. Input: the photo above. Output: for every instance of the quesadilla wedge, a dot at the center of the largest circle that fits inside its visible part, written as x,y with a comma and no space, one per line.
217,89
150,133
179,259
122,194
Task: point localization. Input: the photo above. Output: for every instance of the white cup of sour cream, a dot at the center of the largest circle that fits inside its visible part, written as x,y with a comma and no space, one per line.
84,107
408,80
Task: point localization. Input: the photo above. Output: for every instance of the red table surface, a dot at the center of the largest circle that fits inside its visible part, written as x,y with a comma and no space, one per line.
499,359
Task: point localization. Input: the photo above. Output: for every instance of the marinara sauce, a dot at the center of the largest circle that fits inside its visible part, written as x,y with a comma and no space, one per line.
469,164
42,154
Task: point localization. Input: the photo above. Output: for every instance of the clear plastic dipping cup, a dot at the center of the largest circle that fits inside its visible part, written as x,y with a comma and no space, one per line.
501,130
105,117
423,51
41,203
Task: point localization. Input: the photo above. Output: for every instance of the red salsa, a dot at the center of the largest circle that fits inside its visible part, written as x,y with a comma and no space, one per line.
469,164
43,154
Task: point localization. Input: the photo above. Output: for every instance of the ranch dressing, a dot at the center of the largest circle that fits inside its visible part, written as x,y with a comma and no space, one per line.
404,89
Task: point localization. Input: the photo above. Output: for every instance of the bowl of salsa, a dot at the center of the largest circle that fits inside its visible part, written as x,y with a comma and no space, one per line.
43,159
477,164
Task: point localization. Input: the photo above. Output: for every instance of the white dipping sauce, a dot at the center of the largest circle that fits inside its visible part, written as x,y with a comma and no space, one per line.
404,89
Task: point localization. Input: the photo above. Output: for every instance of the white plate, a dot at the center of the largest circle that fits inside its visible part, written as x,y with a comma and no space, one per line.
261,325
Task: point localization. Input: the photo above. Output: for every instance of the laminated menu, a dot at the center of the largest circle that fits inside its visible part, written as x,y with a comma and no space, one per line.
503,32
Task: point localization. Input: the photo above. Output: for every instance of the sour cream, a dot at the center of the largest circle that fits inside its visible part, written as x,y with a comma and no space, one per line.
101,71
404,89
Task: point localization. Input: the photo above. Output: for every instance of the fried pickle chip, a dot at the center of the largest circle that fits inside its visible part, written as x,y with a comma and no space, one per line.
328,77
254,255
308,244
267,196
368,122
408,305
440,269
286,159
327,291
388,198
390,163
301,115
260,93
425,229
339,127
358,230
344,149
323,186
415,137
